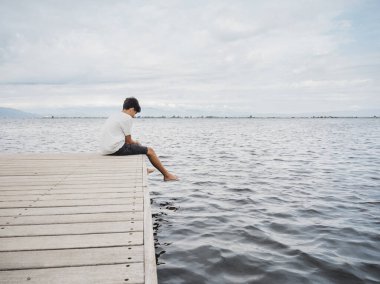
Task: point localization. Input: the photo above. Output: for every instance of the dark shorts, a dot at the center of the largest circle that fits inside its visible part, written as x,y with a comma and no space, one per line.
131,149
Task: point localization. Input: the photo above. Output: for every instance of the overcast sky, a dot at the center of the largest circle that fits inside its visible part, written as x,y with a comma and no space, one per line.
285,56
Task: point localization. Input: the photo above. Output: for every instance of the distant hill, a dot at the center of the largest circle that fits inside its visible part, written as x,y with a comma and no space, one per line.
146,111
76,111
14,113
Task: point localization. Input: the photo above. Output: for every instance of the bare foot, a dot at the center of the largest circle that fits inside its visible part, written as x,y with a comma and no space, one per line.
170,177
149,171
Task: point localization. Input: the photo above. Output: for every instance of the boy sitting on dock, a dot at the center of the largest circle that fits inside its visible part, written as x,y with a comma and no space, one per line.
116,137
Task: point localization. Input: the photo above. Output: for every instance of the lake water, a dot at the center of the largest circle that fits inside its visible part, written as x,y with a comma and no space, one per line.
259,201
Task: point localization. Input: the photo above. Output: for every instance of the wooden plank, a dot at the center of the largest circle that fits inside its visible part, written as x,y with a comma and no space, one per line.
61,156
99,186
52,170
70,229
107,163
68,166
33,179
72,218
62,190
135,180
69,188
73,202
47,172
71,241
97,274
70,196
68,169
99,160
70,257
86,175
45,156
14,188
102,164
70,210
65,169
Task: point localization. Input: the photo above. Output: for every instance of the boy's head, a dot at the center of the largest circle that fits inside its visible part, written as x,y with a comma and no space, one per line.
132,103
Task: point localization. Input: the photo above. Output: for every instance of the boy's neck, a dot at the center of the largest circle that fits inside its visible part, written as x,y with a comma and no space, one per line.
130,112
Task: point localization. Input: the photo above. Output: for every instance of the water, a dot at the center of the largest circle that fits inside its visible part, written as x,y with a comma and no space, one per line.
259,201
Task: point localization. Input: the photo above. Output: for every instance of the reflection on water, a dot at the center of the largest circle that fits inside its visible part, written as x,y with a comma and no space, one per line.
259,201
159,219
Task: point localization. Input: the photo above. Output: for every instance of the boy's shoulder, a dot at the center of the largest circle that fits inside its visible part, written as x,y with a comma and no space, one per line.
120,116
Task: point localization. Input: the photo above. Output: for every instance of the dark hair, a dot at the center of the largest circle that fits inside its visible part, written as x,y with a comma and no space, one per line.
132,103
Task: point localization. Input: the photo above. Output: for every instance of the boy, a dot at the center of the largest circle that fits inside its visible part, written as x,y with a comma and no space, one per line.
116,137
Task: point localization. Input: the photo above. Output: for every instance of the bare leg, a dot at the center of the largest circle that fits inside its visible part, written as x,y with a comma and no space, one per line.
158,165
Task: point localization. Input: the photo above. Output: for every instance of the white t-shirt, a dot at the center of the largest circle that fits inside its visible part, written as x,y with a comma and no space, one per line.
115,129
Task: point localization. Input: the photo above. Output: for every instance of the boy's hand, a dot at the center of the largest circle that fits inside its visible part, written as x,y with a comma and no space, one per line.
129,140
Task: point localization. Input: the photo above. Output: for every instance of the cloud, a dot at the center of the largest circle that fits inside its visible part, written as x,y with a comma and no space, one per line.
187,52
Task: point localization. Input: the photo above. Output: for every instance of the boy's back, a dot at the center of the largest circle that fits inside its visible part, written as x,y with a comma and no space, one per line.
116,127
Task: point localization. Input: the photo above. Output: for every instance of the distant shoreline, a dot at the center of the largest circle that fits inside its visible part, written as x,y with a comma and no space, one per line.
205,117
103,113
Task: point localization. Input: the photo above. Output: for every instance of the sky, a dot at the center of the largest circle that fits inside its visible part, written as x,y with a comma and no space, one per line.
285,56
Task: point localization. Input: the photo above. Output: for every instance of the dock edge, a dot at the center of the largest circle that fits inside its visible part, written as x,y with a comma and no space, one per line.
150,269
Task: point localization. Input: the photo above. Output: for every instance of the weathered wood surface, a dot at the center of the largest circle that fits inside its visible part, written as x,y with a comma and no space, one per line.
75,218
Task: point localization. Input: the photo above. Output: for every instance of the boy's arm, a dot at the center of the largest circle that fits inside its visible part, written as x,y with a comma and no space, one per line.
129,140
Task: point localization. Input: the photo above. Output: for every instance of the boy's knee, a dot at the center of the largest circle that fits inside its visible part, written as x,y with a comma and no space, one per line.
150,151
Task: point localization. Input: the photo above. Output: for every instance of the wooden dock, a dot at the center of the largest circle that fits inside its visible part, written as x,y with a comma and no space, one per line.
75,218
